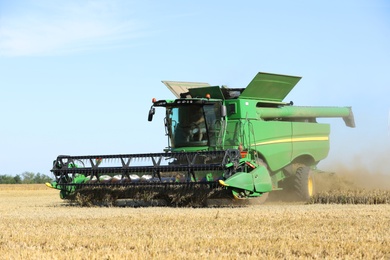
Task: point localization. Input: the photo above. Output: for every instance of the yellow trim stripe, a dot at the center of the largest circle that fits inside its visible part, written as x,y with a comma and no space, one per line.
296,139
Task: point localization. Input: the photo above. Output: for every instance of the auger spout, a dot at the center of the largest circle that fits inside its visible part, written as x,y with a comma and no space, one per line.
299,112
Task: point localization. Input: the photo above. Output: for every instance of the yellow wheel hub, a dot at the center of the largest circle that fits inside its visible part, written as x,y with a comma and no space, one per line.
310,186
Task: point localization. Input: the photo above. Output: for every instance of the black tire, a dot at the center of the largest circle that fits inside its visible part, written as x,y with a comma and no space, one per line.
302,184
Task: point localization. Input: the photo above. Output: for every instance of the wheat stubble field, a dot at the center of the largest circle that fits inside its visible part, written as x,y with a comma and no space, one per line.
36,224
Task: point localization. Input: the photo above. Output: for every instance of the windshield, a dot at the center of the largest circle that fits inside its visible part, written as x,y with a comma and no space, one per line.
192,125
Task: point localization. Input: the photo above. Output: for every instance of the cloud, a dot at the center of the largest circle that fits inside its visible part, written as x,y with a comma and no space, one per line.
55,28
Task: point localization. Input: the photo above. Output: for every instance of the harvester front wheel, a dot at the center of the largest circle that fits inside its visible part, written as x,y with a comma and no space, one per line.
303,183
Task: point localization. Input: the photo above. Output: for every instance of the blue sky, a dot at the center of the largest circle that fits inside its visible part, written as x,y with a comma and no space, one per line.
77,77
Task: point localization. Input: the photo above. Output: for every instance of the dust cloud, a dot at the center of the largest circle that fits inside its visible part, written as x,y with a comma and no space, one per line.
361,173
349,179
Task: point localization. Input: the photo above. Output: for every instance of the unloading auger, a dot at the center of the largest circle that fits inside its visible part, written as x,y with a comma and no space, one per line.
223,143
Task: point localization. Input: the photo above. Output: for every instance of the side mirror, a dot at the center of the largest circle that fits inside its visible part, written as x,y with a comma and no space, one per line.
151,113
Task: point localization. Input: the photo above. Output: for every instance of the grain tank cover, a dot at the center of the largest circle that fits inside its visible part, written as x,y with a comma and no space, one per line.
269,87
179,87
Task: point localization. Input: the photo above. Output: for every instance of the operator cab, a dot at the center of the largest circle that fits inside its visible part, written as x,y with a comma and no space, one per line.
192,122
196,119
193,125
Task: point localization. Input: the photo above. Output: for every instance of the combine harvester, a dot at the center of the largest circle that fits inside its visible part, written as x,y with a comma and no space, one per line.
238,143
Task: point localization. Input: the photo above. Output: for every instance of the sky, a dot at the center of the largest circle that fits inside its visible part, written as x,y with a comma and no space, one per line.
78,77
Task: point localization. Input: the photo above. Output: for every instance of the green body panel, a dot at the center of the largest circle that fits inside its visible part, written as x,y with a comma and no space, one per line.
312,140
261,179
243,109
273,141
241,180
281,142
258,180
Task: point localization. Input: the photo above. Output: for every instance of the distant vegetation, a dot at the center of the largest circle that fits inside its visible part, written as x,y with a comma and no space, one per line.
25,178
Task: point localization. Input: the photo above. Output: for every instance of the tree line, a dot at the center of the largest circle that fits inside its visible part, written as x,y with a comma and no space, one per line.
25,178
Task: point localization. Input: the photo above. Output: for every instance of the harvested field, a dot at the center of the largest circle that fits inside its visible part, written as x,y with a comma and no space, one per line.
36,224
358,196
352,188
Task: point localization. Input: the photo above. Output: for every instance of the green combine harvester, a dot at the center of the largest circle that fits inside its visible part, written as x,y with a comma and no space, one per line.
238,143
